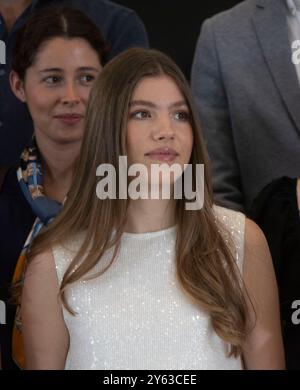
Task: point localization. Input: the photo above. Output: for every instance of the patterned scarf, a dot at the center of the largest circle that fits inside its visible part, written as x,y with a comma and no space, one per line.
31,182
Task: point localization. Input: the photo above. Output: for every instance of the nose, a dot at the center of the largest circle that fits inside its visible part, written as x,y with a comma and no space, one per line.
164,130
70,96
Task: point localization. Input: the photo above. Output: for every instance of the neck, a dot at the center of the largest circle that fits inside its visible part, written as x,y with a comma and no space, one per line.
11,10
58,163
149,215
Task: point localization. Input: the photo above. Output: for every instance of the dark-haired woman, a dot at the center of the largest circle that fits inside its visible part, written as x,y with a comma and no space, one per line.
138,281
53,69
121,27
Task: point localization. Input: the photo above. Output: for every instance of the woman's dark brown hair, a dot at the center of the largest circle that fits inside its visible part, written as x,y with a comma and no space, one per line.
52,22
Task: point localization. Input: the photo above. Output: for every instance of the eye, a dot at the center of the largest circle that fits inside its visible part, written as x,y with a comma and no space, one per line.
182,116
87,79
52,80
141,114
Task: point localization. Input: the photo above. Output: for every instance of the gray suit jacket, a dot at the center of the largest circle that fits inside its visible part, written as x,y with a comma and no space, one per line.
248,96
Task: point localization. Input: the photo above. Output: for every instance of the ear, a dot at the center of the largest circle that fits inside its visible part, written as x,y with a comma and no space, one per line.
17,86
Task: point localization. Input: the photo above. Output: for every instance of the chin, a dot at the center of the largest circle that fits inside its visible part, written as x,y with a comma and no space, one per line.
63,140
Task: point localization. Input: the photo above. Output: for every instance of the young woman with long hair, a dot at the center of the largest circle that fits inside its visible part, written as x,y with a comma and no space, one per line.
145,283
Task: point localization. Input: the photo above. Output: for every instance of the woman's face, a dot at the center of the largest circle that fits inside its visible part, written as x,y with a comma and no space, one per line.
158,129
57,86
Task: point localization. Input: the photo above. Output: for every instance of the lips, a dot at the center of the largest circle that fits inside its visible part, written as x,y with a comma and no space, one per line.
163,154
69,118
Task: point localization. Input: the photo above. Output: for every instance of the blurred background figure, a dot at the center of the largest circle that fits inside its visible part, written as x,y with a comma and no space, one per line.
121,28
248,97
58,54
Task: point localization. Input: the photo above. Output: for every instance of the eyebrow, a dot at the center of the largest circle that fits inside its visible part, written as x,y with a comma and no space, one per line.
59,70
153,105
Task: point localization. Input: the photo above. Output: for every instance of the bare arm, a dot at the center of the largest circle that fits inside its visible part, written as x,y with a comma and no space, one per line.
264,346
46,338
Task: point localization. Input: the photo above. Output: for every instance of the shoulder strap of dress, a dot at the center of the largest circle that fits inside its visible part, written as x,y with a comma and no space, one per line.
234,222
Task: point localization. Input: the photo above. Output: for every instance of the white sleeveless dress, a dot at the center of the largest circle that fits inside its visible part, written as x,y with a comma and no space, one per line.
135,316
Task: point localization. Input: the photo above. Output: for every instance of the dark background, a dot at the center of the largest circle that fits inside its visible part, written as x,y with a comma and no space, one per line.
173,26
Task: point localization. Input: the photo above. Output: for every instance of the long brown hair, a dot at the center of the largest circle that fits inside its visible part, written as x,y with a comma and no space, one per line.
205,265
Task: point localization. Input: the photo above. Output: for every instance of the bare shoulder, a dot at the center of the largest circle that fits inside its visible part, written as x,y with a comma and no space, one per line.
42,262
256,245
253,232
258,270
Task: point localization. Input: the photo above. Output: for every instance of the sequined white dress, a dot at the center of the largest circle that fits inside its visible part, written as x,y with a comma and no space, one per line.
135,316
